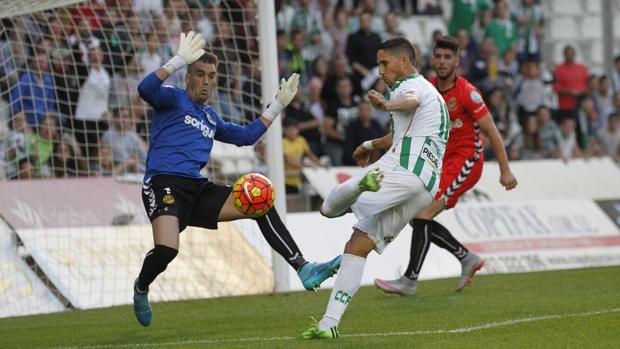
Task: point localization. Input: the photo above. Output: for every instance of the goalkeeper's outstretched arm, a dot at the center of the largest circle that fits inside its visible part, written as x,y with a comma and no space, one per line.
250,133
191,48
286,93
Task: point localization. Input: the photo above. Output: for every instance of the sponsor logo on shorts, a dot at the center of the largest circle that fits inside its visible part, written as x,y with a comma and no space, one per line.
388,239
430,156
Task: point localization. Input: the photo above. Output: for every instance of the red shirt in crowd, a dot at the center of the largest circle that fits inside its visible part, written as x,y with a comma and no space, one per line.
573,76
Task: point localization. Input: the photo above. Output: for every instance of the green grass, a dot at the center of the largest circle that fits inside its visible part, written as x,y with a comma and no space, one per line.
219,323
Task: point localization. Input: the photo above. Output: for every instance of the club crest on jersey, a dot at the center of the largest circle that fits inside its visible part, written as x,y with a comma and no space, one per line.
451,103
206,130
429,156
458,123
209,118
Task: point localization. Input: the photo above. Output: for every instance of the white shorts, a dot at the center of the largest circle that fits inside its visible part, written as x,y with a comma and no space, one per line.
383,214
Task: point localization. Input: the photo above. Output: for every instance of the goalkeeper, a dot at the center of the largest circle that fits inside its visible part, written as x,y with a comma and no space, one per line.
174,193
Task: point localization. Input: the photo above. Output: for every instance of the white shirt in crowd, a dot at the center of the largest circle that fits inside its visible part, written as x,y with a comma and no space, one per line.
125,144
93,98
567,145
610,141
150,62
154,8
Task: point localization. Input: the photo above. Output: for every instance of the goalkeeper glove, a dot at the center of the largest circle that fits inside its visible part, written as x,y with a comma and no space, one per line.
286,93
191,47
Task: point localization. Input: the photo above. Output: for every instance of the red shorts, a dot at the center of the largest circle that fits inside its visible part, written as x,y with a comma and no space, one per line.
458,175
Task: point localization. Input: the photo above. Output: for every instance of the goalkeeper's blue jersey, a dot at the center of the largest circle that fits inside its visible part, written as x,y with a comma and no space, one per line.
182,131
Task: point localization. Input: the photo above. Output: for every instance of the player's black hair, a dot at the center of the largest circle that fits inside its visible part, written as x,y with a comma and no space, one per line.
447,42
209,58
399,45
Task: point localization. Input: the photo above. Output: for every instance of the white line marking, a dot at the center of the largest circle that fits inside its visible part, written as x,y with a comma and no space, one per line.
354,335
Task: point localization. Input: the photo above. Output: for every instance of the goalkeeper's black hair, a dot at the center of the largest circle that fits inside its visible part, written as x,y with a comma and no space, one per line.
209,58
447,42
399,45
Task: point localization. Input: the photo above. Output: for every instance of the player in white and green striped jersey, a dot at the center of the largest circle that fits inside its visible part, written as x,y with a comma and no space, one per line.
419,139
402,182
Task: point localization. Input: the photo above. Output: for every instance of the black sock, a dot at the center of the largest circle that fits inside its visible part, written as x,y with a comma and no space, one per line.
155,262
441,237
280,239
420,242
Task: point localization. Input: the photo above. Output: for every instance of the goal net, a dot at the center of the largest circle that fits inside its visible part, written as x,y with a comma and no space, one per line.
73,138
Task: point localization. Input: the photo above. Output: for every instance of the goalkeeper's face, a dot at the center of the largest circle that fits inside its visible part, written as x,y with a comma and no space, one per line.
200,80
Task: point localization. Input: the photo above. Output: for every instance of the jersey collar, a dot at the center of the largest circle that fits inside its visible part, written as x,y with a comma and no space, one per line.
400,81
434,82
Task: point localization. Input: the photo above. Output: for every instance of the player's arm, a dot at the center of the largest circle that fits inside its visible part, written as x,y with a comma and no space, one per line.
507,179
247,135
361,154
191,47
407,102
383,143
286,93
152,91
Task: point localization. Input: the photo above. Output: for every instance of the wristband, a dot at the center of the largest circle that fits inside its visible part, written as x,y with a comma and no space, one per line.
175,63
368,145
273,110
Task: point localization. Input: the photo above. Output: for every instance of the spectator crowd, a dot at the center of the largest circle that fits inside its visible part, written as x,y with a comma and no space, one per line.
68,77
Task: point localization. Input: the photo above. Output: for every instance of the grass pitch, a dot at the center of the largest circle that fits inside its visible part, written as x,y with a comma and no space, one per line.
560,309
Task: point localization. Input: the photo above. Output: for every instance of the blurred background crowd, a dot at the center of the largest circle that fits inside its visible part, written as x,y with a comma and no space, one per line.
68,76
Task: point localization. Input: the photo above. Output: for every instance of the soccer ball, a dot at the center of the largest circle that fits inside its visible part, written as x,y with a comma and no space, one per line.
253,194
